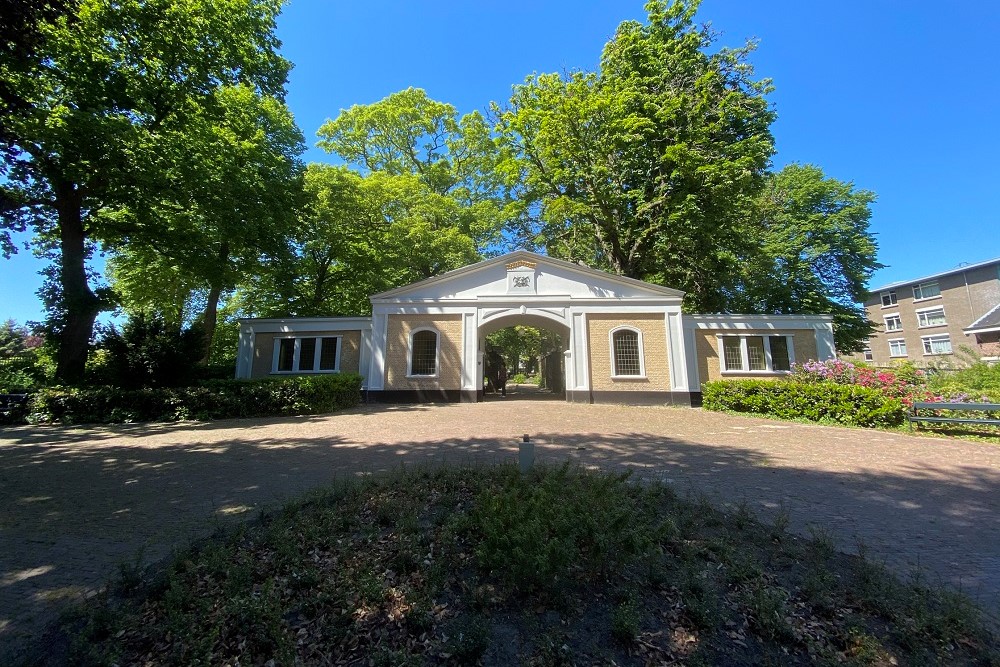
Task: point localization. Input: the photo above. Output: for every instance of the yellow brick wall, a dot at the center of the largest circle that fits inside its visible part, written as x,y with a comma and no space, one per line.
449,327
654,349
263,350
707,344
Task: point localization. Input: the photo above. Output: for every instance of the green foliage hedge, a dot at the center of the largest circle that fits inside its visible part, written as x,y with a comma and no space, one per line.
816,401
217,399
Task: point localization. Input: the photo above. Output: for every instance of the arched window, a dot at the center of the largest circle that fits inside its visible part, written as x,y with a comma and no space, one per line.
626,353
423,352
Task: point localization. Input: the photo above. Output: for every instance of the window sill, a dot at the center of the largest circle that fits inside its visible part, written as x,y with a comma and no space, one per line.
933,326
889,331
305,372
898,356
756,372
891,305
937,354
927,298
629,377
421,377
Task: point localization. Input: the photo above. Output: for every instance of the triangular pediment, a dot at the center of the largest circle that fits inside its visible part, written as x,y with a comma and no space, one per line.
527,275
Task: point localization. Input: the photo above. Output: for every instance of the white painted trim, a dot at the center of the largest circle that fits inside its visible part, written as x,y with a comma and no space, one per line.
890,341
745,353
295,325
928,338
437,353
297,351
924,310
885,322
676,359
642,353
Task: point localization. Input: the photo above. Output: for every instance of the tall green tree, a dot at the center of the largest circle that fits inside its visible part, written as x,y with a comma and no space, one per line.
111,90
451,156
645,167
359,235
240,174
810,251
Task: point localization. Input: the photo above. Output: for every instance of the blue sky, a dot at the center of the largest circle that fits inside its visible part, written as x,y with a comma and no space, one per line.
902,98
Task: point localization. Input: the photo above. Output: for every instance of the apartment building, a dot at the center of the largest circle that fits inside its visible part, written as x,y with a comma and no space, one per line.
927,319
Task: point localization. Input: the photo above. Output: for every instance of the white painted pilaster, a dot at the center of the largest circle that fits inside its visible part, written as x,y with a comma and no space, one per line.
470,349
580,352
825,346
676,351
380,329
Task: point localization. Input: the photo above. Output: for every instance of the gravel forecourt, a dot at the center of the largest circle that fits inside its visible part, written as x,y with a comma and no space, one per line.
76,503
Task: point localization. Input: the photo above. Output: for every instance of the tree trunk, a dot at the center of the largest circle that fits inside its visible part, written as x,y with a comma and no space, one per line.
210,317
80,304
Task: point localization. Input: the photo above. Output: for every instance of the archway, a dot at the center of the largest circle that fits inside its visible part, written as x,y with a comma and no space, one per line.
544,360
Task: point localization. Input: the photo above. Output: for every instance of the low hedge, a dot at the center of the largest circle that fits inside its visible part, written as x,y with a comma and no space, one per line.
851,405
216,399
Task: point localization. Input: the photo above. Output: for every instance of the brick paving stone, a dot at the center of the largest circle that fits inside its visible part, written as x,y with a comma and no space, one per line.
75,503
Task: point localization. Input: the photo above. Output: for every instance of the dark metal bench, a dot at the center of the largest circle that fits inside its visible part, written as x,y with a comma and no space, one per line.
915,417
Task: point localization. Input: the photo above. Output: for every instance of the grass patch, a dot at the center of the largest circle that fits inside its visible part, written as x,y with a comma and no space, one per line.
488,566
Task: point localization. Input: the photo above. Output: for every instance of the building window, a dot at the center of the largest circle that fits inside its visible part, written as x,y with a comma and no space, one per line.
889,298
867,351
424,352
937,344
897,348
626,353
893,322
310,354
756,354
926,290
932,317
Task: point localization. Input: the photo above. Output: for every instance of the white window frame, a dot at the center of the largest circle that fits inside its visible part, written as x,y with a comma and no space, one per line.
923,311
889,316
893,298
905,350
926,341
296,355
642,354
437,353
918,289
866,352
745,353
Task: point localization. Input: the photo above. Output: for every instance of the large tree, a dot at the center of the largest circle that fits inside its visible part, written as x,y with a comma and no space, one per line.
645,166
358,235
809,250
451,156
239,169
110,92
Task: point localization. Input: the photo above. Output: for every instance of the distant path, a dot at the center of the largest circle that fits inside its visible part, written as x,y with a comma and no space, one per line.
74,503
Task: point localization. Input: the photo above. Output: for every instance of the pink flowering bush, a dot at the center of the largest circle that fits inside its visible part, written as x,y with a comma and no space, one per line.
907,383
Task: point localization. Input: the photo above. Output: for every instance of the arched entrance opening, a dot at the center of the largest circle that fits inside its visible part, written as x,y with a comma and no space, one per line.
533,349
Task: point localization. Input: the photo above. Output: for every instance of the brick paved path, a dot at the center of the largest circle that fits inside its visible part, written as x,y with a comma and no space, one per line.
74,503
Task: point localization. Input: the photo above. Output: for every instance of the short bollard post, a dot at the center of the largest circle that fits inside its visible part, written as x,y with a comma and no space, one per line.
526,453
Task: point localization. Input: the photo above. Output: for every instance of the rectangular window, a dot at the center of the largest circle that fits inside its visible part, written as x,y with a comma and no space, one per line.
931,318
893,322
755,353
733,354
926,290
307,355
286,355
889,298
897,348
766,354
780,360
937,344
627,355
869,355
328,356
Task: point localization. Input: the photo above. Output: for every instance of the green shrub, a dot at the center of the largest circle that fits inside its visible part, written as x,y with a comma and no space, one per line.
216,399
851,405
533,530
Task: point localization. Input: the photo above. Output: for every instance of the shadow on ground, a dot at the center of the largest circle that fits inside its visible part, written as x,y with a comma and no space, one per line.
70,514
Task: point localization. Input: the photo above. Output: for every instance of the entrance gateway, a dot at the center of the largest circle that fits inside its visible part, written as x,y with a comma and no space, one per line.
626,341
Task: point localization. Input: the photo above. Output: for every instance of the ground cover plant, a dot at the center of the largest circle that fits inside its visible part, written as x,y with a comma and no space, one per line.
488,566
